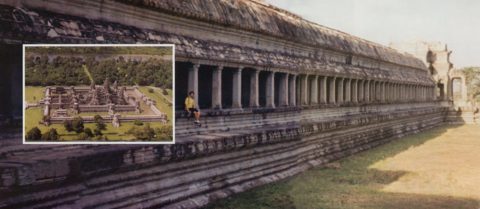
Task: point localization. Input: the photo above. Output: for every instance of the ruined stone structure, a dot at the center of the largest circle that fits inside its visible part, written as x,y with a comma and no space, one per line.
436,56
279,95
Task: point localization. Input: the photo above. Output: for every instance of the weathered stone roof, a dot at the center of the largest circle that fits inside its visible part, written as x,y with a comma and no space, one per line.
266,19
35,26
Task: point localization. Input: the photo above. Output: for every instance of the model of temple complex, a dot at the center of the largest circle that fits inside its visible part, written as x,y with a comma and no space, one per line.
63,103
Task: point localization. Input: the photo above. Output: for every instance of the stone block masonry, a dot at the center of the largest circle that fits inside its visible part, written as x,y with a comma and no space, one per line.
278,95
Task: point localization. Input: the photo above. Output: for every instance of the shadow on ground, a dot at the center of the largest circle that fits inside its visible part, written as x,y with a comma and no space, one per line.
349,183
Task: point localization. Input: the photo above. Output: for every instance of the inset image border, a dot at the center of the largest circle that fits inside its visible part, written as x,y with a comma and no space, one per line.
98,142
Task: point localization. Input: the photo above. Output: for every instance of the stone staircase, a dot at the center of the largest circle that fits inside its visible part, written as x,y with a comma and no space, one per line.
461,115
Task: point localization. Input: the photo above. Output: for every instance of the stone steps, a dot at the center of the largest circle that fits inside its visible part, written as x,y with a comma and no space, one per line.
186,128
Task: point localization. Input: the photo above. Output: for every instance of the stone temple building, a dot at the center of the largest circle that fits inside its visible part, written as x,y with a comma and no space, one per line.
279,94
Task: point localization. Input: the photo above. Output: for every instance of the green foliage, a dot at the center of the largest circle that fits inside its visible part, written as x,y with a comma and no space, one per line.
68,70
34,134
138,123
97,132
83,136
68,125
50,135
143,133
154,72
164,133
472,78
150,90
59,71
88,132
77,124
99,124
101,50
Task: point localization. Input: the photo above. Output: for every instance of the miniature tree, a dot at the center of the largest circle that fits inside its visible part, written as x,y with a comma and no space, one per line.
34,134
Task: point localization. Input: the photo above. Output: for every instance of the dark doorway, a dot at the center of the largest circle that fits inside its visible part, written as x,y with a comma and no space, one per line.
227,87
181,83
262,88
246,87
205,86
278,77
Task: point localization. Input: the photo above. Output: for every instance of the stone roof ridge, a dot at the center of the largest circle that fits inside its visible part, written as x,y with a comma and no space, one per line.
260,17
345,34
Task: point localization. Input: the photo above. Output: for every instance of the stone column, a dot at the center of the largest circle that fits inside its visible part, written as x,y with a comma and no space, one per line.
332,99
304,90
292,89
283,91
361,90
254,89
340,91
217,88
314,90
355,91
323,89
387,92
237,88
270,92
193,82
348,90
382,92
367,91
464,90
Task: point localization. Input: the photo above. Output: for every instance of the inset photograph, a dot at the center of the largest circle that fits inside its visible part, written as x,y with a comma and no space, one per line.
98,94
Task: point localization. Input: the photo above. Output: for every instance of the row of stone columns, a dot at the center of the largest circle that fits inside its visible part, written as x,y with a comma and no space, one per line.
313,89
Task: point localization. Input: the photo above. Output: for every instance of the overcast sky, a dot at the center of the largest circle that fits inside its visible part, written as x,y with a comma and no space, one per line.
454,22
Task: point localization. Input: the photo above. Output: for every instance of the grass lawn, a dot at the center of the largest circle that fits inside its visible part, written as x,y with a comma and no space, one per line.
162,105
435,169
33,94
34,115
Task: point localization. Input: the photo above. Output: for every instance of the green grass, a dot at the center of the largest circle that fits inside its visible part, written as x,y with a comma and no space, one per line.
162,105
34,94
354,183
34,115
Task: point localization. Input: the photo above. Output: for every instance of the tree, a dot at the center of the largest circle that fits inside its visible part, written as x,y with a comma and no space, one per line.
34,134
50,135
99,122
77,124
68,125
138,123
472,79
97,132
83,136
142,133
88,132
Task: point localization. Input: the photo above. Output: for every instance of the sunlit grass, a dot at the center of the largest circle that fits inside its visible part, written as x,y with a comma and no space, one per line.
356,182
162,105
34,94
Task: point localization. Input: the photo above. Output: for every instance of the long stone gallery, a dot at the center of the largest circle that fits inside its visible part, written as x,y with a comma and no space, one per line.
278,95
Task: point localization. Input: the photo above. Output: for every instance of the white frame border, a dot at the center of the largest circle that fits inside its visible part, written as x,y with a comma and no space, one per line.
98,142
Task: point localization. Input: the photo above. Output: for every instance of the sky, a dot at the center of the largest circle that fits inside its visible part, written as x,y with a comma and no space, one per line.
453,22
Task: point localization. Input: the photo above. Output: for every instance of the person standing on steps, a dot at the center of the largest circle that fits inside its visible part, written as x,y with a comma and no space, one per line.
190,106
